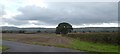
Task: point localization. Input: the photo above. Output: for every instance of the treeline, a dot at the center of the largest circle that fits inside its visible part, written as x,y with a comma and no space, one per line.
101,37
10,31
91,31
24,31
39,31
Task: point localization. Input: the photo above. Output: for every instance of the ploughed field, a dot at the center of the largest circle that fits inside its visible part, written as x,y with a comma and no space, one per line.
79,41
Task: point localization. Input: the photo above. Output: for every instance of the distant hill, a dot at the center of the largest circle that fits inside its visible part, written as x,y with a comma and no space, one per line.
86,29
8,28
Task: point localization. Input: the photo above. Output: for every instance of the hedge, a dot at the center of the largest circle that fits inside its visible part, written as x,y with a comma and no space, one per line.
110,37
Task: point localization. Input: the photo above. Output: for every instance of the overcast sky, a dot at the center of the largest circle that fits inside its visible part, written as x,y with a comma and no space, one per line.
46,13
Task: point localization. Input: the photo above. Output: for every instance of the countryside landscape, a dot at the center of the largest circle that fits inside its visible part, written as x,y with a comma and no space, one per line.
100,39
45,26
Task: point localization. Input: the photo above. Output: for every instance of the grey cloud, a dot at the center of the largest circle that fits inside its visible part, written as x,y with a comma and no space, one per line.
14,21
118,13
73,12
2,10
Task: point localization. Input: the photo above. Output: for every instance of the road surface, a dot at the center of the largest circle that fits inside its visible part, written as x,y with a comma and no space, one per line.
21,47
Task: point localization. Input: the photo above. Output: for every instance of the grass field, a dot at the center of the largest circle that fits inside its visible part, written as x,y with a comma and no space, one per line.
60,41
94,47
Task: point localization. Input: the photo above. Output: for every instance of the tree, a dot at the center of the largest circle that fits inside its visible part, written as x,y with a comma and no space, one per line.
21,31
63,28
4,31
38,31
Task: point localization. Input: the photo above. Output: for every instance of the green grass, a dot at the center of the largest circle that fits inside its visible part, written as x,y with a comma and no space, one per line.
3,48
102,37
93,47
85,46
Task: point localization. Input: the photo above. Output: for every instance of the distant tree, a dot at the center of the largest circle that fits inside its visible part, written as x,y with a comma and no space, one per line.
89,31
21,31
107,31
45,31
113,31
83,31
63,28
10,31
4,31
38,31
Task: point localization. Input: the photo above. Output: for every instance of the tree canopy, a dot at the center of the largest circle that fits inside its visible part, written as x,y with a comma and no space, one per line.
64,28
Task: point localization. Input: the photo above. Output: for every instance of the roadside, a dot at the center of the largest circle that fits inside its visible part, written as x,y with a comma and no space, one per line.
60,41
22,47
3,48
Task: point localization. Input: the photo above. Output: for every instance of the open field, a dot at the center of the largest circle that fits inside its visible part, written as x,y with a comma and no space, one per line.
60,41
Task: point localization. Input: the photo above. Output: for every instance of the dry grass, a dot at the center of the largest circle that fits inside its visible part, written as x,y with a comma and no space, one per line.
37,38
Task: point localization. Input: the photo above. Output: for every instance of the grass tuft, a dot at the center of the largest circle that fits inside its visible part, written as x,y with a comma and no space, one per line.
3,48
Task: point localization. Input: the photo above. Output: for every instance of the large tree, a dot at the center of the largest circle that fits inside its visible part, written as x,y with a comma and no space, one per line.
63,28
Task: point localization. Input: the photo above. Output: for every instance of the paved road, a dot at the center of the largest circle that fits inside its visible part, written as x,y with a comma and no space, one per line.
21,47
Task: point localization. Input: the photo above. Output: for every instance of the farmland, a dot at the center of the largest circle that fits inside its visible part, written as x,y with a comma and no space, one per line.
65,41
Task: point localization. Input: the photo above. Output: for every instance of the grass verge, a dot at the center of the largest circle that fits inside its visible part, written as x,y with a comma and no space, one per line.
85,46
93,47
3,48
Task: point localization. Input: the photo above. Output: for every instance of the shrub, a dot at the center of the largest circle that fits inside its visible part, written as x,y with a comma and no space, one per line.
4,31
38,31
108,37
21,31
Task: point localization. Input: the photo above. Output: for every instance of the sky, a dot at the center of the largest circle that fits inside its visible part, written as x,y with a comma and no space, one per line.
49,13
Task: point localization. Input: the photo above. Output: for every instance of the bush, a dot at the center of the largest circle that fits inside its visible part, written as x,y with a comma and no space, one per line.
21,31
4,31
111,38
38,31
